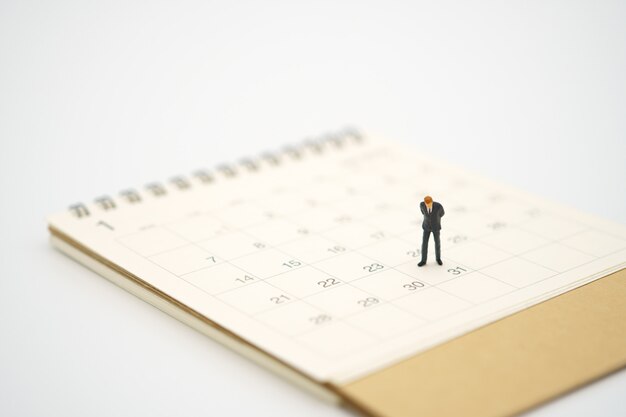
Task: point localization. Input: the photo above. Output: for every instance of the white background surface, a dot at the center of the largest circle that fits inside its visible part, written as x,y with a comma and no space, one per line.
99,96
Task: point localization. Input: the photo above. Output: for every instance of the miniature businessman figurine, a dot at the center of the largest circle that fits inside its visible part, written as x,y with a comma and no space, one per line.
433,212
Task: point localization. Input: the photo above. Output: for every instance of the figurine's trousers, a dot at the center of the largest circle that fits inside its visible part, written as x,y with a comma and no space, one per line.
425,244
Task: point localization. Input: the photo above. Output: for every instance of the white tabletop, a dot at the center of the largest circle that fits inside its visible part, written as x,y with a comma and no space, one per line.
98,97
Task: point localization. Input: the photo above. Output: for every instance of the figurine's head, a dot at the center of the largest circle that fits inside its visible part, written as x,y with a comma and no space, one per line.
428,200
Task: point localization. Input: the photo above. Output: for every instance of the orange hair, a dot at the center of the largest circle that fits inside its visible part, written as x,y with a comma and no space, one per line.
428,199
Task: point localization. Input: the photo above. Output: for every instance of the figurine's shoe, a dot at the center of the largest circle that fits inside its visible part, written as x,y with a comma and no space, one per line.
439,262
422,263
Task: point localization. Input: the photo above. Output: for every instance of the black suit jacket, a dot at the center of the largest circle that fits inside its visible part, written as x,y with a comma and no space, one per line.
432,220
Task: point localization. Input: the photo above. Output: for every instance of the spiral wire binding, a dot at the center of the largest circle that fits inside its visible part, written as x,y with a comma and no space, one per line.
318,146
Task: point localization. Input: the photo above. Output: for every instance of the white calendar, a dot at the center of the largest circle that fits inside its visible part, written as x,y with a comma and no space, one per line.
310,254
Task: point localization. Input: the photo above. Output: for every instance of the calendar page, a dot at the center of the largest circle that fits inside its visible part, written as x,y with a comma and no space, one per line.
311,255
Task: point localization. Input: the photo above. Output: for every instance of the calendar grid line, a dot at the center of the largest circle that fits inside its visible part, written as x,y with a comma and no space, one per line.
231,228
389,267
341,279
349,315
268,283
398,235
520,255
216,298
458,312
378,272
261,312
587,253
564,271
388,204
479,270
357,249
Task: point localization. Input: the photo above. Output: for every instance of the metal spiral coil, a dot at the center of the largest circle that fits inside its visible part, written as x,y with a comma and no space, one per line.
309,147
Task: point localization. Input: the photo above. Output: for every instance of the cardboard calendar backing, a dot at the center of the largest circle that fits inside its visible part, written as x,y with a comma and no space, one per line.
511,365
501,369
